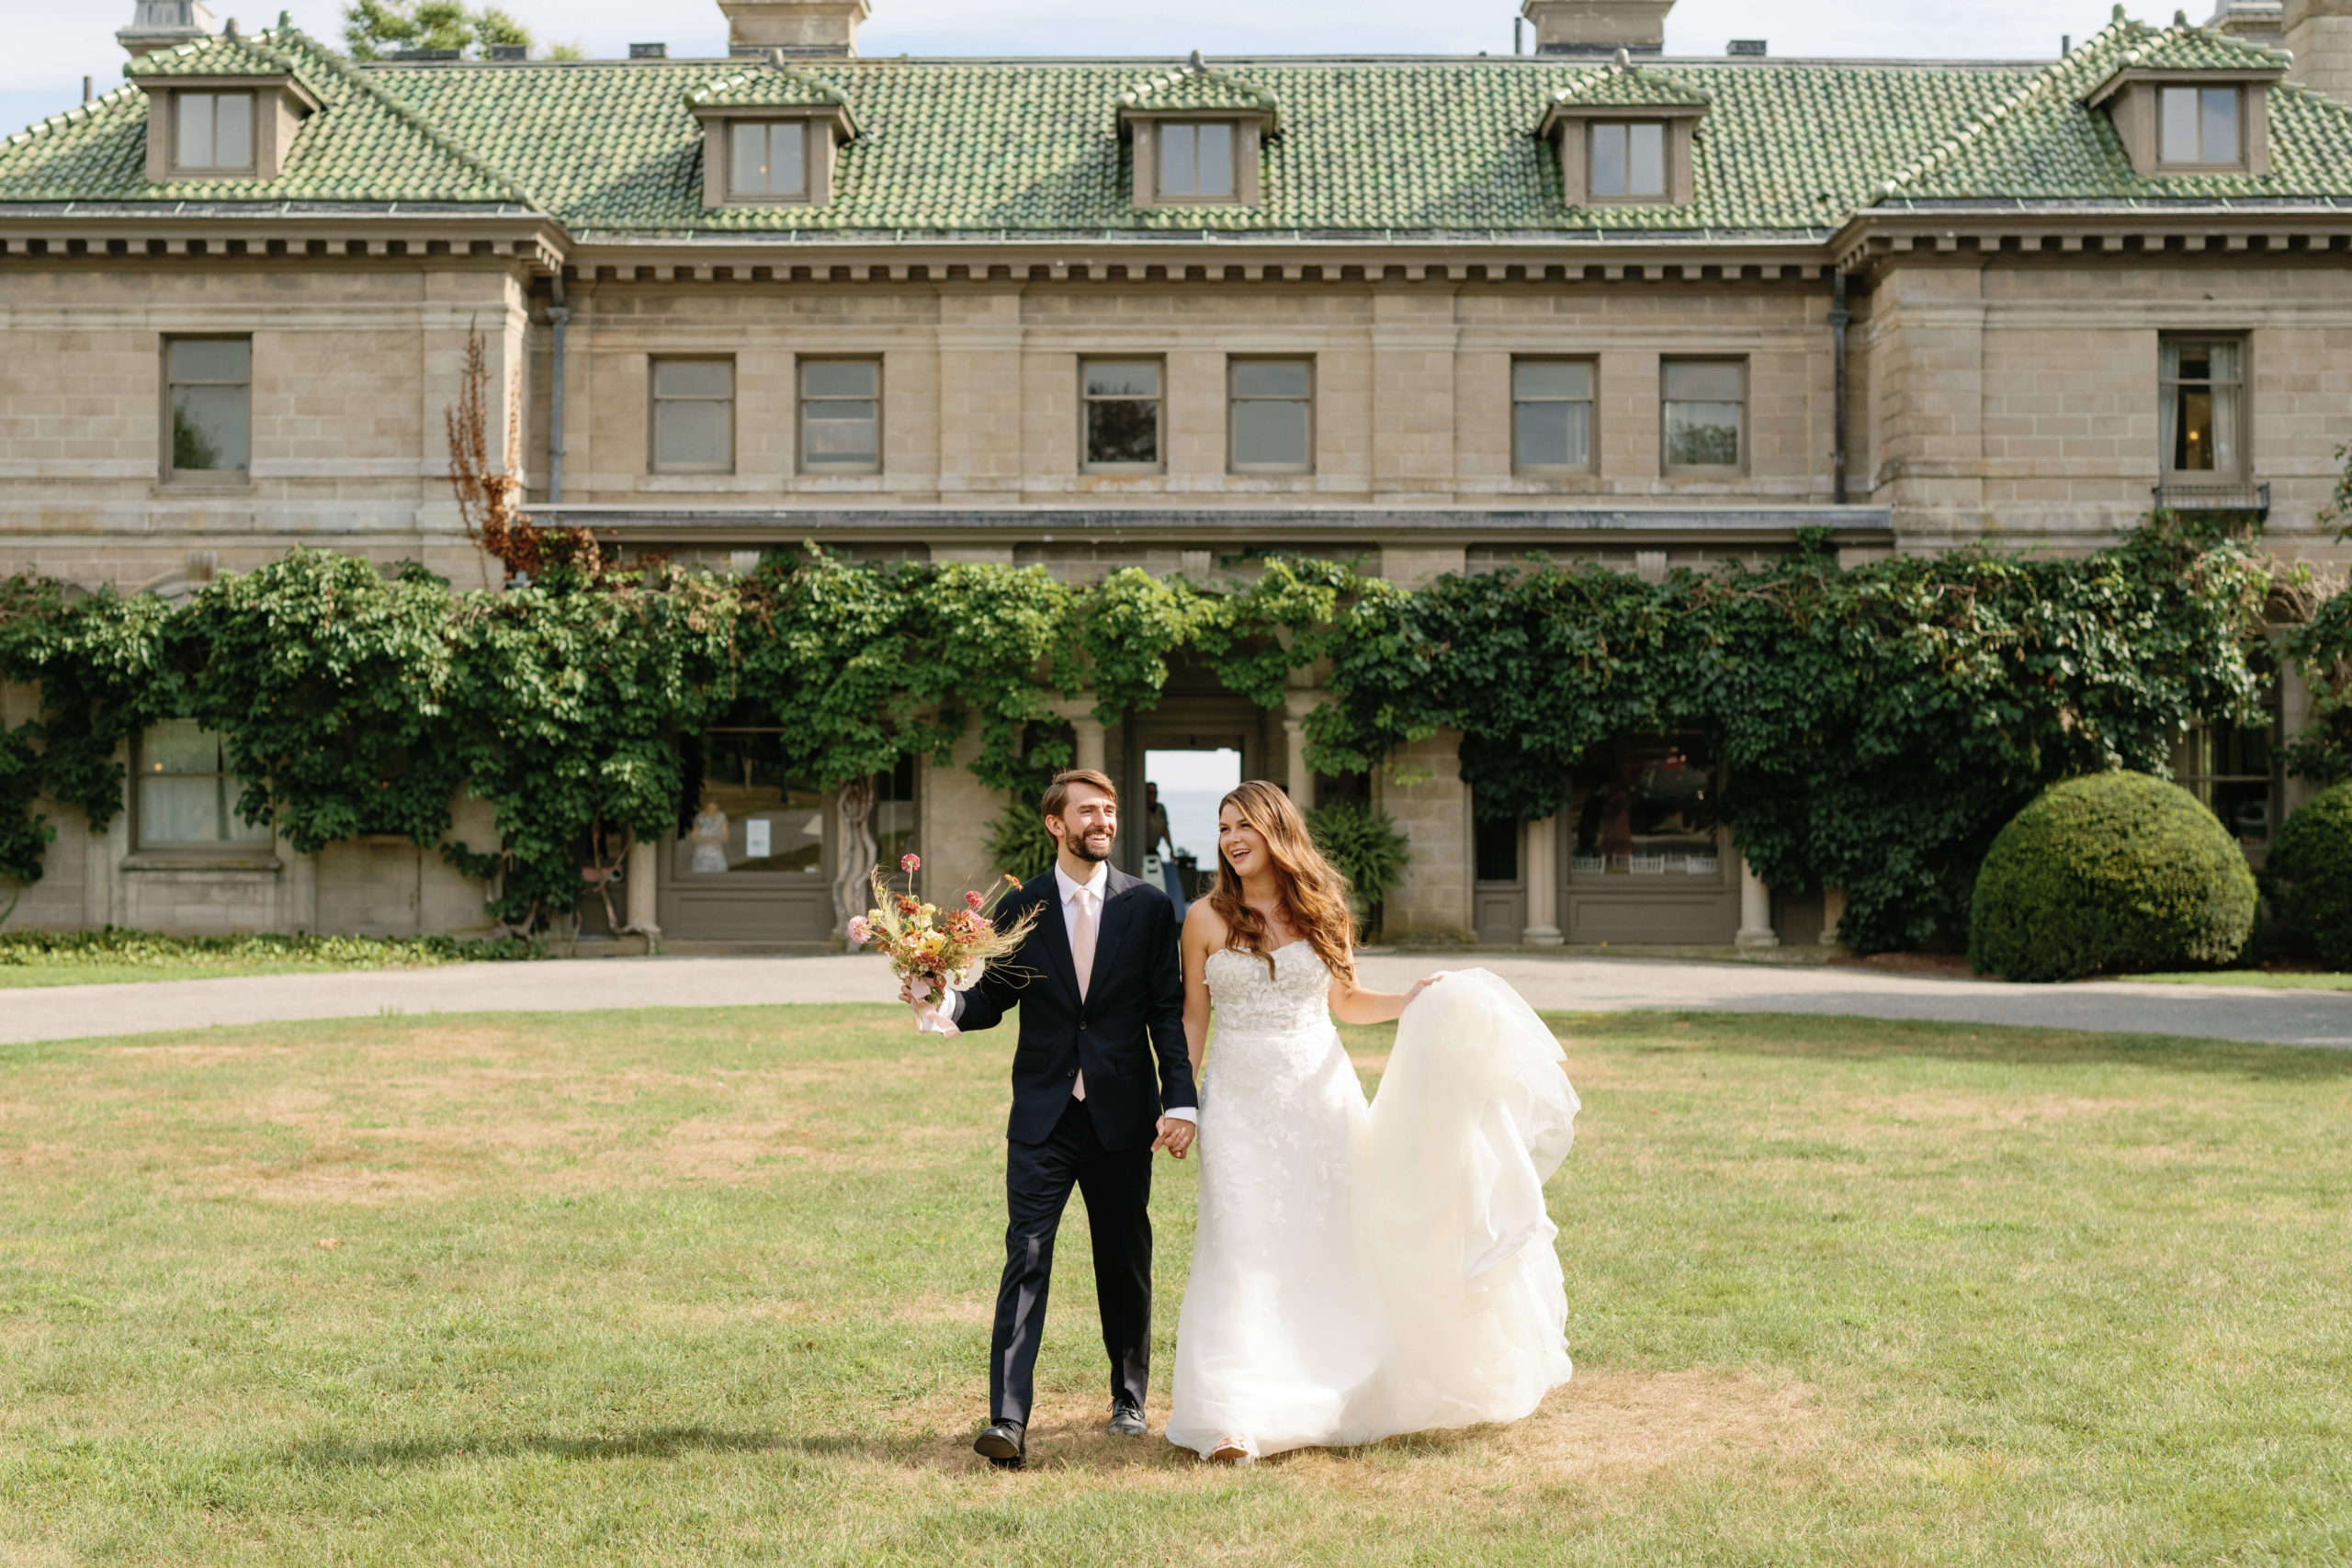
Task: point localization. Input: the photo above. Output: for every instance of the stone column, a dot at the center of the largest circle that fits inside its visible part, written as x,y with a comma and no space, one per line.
1833,914
1754,909
640,880
1092,752
1297,705
1543,871
2295,715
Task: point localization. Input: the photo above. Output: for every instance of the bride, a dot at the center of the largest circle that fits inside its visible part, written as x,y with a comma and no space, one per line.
1358,1270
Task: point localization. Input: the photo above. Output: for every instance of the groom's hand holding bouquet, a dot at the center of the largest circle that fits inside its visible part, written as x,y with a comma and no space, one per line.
935,952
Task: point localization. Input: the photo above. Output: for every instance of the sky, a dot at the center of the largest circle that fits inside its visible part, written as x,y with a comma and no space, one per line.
53,46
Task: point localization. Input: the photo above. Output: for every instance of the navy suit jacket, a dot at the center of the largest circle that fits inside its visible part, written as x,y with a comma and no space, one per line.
1128,1033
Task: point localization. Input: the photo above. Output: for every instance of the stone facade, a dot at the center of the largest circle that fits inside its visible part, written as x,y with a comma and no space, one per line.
2000,382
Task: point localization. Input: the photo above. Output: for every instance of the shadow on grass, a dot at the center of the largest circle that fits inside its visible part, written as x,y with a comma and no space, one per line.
1054,1448
1824,1038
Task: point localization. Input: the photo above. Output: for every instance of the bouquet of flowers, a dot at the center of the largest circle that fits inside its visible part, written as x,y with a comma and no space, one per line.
950,950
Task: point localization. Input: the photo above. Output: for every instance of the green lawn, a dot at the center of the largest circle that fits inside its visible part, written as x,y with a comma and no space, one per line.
712,1286
2260,979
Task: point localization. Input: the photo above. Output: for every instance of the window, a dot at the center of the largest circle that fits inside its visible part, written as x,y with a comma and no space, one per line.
768,162
187,797
209,392
2204,399
2233,769
1551,414
2199,126
1646,806
1272,415
1705,404
694,416
1496,845
840,415
750,816
1629,158
213,130
1122,409
1196,160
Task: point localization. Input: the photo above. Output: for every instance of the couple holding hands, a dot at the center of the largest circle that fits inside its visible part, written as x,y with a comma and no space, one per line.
1360,1269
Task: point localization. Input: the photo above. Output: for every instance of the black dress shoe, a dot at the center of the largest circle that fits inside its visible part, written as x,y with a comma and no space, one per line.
1127,1420
1005,1444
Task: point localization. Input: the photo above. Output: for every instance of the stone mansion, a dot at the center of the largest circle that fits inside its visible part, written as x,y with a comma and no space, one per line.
1427,314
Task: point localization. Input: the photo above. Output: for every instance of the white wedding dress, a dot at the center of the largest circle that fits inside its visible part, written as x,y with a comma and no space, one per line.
1362,1271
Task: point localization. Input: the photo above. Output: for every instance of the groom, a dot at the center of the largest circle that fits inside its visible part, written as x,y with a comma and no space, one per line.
1101,995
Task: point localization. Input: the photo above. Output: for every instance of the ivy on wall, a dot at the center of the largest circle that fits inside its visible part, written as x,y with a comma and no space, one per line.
1878,724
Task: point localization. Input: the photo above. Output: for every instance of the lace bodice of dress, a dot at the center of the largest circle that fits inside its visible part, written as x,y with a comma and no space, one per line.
1294,999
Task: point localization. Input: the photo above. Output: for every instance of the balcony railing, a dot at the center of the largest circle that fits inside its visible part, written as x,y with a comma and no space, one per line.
2247,500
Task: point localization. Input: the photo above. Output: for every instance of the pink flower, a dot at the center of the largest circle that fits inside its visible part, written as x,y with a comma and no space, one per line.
973,899
860,931
911,864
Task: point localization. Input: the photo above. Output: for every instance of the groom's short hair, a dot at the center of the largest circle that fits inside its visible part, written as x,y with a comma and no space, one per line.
1058,792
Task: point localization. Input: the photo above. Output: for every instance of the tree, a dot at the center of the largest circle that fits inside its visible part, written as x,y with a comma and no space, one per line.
374,28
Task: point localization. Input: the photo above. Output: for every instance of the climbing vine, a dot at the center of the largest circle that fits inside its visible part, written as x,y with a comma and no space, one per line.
1877,724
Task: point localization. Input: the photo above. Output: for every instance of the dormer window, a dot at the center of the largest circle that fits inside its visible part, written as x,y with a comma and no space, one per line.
2199,127
1196,161
1629,159
772,134
768,161
1199,138
213,133
1624,136
2193,122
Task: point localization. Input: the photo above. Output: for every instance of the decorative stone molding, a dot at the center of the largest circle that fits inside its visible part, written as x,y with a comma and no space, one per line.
804,28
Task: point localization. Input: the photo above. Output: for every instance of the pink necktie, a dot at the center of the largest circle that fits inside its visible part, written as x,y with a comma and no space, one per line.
1082,953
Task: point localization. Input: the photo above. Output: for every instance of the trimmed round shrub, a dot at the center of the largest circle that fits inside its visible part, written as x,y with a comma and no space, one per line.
2109,875
2308,874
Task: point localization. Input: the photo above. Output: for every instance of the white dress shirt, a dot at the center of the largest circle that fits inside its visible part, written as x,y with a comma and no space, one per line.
1096,887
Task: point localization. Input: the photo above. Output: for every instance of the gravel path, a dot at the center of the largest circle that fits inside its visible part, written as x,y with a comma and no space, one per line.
1583,984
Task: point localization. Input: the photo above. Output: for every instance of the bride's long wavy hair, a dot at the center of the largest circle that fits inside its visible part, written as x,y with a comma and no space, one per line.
1313,894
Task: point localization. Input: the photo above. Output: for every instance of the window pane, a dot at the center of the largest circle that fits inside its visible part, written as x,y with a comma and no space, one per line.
838,432
693,379
751,817
1554,434
2222,359
751,171
1122,431
180,810
1646,804
1177,170
1497,849
1270,433
1537,378
2219,143
839,378
233,131
1708,382
693,435
1609,159
1702,435
211,361
1270,378
1646,159
1214,162
2179,129
212,428
1122,378
180,746
195,130
2193,430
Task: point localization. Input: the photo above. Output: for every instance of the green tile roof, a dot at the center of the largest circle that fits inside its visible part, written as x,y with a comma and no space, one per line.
216,57
1639,87
1442,147
767,87
2042,142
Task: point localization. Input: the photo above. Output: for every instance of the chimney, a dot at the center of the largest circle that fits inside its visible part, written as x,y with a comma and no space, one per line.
2255,21
807,29
1599,29
2320,32
165,24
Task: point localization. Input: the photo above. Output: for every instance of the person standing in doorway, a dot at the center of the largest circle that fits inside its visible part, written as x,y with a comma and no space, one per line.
1157,833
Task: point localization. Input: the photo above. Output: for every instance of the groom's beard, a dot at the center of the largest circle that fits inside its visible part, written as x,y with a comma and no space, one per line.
1092,847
